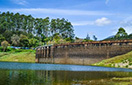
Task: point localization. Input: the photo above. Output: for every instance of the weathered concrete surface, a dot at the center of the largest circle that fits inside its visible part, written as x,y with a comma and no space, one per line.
79,61
83,54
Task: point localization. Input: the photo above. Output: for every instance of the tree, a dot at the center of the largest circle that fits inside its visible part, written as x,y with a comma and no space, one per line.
56,38
33,42
39,28
76,38
95,38
15,40
87,38
24,41
130,36
4,45
2,38
121,32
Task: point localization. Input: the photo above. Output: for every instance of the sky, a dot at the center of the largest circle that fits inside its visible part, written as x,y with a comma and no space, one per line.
102,18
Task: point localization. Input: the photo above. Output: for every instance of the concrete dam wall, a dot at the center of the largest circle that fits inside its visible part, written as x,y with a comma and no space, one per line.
84,53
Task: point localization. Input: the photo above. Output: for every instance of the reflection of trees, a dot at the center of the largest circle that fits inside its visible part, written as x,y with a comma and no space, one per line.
17,77
32,77
44,77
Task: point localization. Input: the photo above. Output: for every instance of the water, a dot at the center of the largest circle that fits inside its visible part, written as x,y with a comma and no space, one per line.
57,74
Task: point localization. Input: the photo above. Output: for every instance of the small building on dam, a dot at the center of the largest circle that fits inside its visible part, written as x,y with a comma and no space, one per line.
84,53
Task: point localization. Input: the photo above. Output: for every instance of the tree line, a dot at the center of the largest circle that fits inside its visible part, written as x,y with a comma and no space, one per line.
27,31
120,35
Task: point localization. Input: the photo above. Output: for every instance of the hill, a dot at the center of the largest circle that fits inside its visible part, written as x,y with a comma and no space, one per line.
122,61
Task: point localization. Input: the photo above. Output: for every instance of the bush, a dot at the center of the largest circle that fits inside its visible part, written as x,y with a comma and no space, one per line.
130,63
18,50
126,66
4,45
9,49
1,49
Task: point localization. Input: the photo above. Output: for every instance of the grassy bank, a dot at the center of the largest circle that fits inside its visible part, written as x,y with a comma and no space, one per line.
123,61
18,56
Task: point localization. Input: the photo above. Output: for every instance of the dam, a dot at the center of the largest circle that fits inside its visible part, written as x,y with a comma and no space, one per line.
83,53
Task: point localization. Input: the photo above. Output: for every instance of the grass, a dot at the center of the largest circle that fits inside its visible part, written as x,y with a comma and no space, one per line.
122,79
3,53
18,56
124,61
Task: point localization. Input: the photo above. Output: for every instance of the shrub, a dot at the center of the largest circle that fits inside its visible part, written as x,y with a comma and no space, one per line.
1,49
4,45
126,66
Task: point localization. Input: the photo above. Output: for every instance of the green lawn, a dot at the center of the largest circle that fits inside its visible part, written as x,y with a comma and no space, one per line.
18,56
124,61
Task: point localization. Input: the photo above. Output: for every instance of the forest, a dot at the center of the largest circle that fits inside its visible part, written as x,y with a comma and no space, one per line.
26,31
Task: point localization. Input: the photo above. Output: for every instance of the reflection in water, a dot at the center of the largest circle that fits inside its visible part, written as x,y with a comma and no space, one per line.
56,74
45,77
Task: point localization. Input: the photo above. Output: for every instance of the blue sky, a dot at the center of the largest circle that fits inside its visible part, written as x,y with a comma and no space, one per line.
94,17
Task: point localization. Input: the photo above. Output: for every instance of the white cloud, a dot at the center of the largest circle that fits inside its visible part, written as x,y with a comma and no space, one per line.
102,21
20,2
57,11
99,22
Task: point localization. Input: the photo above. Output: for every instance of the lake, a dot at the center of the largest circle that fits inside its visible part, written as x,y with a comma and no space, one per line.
57,74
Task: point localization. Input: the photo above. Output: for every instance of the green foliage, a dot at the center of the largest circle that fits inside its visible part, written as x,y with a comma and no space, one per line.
32,42
76,38
9,49
121,32
18,56
1,49
23,30
86,40
125,59
120,35
56,37
69,39
24,41
2,38
15,40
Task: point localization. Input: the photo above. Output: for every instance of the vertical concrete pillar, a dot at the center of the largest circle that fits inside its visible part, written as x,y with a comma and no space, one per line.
36,53
44,51
85,45
36,57
108,54
47,52
41,50
52,53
